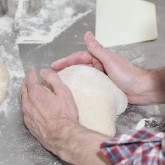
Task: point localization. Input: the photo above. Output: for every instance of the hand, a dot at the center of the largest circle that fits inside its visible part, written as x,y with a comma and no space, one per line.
127,77
47,113
52,118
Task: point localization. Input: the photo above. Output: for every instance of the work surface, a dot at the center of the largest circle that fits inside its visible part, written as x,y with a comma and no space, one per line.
17,146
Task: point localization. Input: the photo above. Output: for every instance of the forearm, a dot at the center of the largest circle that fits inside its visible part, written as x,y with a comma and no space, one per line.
80,146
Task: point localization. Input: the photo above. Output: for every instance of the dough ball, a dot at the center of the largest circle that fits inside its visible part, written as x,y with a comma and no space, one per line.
98,99
4,81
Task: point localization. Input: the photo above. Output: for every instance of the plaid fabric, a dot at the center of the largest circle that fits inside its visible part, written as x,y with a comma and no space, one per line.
141,148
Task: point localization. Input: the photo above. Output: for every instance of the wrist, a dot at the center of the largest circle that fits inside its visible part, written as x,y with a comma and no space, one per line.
77,145
151,88
157,94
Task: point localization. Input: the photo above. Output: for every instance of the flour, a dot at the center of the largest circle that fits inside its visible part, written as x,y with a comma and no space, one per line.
54,18
4,80
41,36
16,76
6,24
142,122
9,54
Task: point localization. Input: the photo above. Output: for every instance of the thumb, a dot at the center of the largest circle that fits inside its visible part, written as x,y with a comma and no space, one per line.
96,49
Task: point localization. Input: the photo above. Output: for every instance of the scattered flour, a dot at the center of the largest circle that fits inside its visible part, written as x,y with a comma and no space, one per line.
6,24
157,109
16,73
54,18
41,36
142,122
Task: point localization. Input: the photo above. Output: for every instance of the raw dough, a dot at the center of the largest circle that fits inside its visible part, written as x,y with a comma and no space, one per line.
98,99
4,81
121,22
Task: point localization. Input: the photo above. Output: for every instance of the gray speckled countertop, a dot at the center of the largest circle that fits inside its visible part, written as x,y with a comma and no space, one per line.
17,146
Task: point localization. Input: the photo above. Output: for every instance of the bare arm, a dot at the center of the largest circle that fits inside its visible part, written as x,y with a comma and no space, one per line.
79,146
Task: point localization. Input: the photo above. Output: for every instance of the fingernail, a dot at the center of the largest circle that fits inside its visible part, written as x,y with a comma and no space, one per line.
52,65
56,63
31,70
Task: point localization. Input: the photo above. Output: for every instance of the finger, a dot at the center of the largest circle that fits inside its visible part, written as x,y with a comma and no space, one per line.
23,92
26,108
32,80
53,80
95,48
23,87
97,64
82,57
26,104
34,88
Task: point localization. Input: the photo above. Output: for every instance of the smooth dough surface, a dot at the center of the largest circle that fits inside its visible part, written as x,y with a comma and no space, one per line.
120,22
98,99
4,80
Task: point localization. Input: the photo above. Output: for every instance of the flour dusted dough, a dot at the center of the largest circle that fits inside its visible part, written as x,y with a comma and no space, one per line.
98,99
4,81
121,22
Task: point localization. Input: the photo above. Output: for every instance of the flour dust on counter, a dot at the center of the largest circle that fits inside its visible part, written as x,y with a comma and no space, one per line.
14,71
4,80
6,24
54,18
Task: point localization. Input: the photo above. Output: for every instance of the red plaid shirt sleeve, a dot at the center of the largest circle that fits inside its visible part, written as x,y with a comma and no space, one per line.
141,148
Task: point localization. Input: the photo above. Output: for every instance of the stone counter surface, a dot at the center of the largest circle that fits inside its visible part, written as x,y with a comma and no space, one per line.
70,19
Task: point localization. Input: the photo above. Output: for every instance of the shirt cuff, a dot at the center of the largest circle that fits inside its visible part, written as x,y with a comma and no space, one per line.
143,147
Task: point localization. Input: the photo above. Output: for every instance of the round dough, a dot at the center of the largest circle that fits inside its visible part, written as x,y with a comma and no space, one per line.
98,99
4,81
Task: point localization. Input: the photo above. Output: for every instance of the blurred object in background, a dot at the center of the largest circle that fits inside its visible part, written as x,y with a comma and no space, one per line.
2,10
29,7
10,7
19,9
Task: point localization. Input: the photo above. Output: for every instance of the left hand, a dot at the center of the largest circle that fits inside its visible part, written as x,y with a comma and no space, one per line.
126,76
46,113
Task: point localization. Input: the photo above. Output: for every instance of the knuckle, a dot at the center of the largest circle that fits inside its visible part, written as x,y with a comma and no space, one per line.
81,52
36,94
34,89
97,47
49,77
84,55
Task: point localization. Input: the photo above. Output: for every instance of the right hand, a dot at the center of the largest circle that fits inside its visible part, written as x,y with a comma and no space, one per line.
126,76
